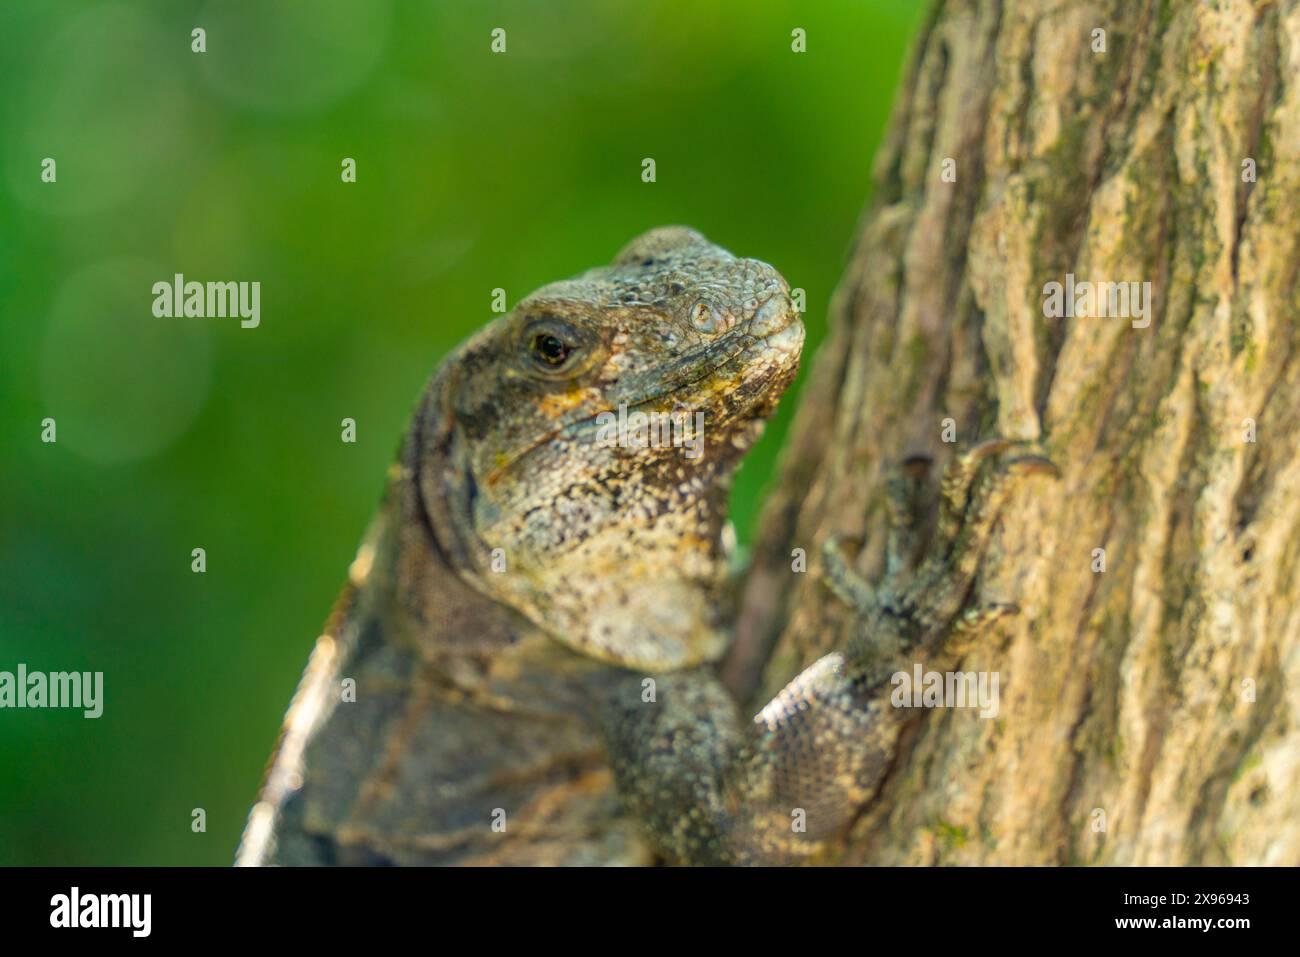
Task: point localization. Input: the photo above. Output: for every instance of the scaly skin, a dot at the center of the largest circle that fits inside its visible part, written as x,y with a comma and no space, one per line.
537,615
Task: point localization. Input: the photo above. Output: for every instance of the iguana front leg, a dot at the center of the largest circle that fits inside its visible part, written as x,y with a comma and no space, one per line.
713,790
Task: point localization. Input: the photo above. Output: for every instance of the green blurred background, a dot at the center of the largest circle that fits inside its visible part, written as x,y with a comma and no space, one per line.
475,171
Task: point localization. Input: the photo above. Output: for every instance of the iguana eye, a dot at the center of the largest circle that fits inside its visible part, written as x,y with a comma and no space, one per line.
553,346
551,350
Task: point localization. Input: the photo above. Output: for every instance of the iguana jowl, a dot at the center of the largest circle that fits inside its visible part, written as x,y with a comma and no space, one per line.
535,617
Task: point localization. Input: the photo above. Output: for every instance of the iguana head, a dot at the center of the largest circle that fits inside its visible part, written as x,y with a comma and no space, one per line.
575,454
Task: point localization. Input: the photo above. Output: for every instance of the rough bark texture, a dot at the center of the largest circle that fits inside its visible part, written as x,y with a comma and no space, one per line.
1126,691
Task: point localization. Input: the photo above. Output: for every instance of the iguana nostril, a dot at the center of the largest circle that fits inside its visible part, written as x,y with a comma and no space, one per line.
705,317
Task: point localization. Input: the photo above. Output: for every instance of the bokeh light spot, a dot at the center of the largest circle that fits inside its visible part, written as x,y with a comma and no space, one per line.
121,383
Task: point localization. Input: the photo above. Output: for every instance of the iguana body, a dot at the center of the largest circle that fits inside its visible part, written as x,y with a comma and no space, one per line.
534,621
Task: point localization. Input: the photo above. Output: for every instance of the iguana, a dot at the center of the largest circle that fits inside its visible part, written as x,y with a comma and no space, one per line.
522,668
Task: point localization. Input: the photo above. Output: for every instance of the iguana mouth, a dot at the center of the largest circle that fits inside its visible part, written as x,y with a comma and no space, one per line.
688,371
785,339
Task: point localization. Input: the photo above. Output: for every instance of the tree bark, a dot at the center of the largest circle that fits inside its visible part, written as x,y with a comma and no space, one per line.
1150,712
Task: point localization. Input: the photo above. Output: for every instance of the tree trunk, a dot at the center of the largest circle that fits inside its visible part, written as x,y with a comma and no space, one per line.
1150,711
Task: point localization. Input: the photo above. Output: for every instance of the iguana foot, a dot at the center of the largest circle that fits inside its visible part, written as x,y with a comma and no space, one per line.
974,489
932,607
